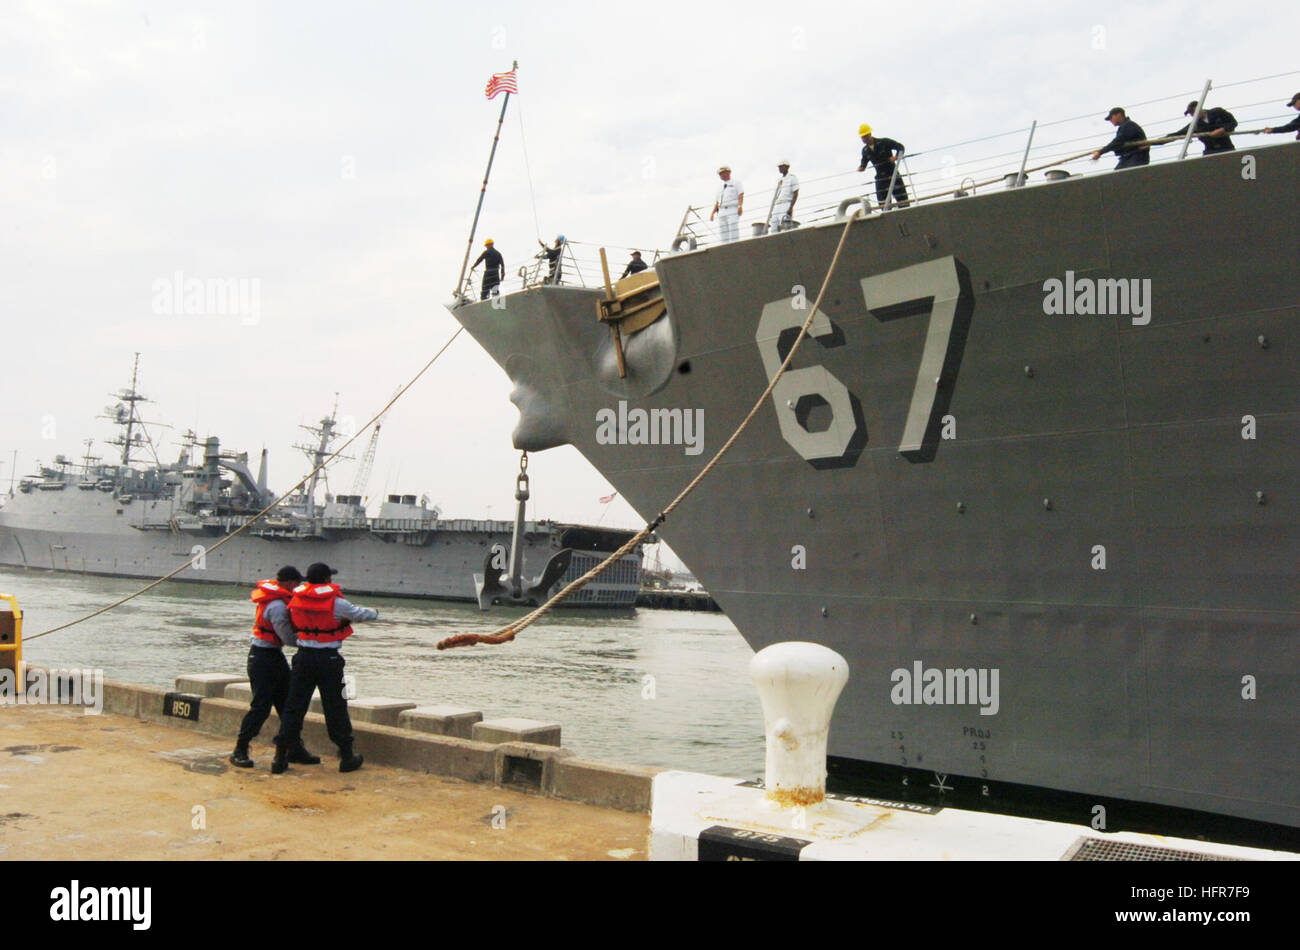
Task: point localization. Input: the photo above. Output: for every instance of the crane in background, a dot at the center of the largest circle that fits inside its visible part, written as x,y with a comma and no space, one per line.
368,459
367,463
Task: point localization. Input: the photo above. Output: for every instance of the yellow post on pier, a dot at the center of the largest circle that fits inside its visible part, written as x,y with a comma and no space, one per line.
11,637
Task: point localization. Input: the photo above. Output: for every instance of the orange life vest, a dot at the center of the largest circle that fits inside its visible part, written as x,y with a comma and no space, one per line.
312,612
265,594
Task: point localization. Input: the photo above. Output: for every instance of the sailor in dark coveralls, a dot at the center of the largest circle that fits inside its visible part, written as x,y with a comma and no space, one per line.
1130,155
322,620
496,269
884,155
1294,124
1219,123
268,672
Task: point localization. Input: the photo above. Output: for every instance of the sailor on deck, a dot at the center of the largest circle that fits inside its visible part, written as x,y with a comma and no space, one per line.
635,265
268,671
729,206
552,255
323,620
787,192
1218,123
1294,124
884,154
496,269
1123,144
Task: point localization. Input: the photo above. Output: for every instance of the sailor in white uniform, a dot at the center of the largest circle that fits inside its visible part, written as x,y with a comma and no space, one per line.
787,190
729,206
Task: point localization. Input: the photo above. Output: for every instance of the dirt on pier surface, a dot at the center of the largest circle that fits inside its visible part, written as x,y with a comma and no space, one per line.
77,787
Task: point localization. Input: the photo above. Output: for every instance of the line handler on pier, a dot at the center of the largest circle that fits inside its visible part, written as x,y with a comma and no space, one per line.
268,671
323,620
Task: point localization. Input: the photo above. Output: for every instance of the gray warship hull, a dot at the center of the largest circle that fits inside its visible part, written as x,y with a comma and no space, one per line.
96,533
1092,517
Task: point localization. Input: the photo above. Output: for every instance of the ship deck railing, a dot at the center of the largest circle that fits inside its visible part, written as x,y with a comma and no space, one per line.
934,173
995,162
579,267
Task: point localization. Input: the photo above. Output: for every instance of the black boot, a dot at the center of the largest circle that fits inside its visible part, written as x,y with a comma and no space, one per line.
300,756
281,762
348,760
240,756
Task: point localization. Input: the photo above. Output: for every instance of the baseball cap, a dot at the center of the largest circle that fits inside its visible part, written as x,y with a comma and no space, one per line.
1118,110
723,168
288,573
319,573
1293,99
1191,108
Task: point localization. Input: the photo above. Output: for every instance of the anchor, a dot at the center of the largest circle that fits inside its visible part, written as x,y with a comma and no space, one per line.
510,588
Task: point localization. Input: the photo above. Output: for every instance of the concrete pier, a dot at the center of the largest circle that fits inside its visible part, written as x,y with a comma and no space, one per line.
118,786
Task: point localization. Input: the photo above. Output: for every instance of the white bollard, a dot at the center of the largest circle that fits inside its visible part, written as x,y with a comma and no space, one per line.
798,684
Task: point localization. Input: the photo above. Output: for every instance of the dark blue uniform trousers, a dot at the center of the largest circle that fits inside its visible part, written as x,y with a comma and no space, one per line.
268,674
315,668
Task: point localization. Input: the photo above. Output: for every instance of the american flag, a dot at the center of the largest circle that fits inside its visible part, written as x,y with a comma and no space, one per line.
501,82
608,498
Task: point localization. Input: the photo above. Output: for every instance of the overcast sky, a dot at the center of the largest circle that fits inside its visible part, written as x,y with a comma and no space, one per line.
333,153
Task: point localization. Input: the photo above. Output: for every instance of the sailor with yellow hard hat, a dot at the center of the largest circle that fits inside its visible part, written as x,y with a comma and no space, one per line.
884,155
496,269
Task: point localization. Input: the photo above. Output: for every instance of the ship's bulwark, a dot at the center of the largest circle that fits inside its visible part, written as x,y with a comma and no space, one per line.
1104,508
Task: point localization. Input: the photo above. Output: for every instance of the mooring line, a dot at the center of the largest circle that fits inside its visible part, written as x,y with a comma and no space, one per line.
508,632
251,521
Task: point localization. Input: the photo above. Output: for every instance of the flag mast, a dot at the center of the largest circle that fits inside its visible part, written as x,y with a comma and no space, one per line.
469,245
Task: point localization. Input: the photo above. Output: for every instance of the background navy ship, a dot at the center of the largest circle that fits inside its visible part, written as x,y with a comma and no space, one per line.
127,519
1100,508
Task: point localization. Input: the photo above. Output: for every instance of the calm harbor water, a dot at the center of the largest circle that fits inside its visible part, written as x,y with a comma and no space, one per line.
661,688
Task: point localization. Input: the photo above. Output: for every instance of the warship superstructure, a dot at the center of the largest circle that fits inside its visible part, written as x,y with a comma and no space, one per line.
129,519
1054,533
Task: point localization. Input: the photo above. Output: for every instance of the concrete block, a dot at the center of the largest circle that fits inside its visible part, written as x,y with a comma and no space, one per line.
243,693
517,730
455,721
380,710
527,765
121,698
454,758
206,684
608,784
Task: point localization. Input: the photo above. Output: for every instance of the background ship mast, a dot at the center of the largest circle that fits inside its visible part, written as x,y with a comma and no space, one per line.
125,415
319,452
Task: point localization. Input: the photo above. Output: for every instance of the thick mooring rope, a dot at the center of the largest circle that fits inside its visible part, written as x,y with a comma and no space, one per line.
251,521
508,632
